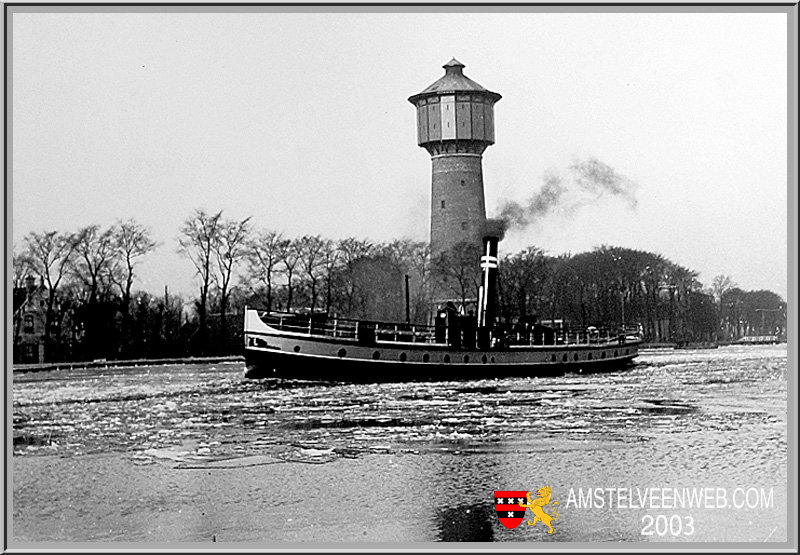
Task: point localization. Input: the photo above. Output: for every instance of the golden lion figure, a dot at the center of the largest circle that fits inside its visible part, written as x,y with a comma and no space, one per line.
535,505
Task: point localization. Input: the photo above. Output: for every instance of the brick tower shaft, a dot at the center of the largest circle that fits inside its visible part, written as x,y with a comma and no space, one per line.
458,208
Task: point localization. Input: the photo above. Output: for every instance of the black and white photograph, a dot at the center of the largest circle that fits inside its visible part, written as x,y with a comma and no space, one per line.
375,277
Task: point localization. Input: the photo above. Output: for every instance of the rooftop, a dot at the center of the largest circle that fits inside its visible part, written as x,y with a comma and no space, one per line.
454,81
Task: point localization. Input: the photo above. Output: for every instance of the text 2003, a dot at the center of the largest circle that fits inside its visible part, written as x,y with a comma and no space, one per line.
662,525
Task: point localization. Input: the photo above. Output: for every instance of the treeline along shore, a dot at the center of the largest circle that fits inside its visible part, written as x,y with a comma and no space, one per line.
74,299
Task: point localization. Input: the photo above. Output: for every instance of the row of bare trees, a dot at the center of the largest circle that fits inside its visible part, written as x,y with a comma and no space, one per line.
615,286
349,277
626,286
360,279
83,277
85,280
743,313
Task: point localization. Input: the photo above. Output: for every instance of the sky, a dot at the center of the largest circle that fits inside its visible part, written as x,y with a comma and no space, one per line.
301,120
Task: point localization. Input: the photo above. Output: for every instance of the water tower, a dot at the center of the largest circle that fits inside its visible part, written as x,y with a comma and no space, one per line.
455,124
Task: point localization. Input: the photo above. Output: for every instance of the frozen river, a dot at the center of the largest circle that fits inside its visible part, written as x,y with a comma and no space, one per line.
196,453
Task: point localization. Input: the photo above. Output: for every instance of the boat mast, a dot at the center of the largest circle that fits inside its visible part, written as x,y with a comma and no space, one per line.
487,294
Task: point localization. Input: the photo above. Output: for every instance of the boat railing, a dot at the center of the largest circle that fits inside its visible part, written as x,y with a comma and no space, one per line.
363,330
348,328
571,336
759,339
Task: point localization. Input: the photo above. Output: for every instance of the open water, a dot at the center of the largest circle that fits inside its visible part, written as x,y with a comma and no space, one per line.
195,453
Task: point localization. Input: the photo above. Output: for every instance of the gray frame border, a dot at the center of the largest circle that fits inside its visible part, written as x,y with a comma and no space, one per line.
791,10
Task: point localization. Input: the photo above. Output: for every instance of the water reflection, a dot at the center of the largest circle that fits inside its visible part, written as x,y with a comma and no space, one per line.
466,523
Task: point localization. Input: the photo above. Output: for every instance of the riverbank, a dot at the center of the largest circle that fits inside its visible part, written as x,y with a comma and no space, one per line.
103,363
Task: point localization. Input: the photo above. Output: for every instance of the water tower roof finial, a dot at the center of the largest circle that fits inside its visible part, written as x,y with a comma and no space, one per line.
454,66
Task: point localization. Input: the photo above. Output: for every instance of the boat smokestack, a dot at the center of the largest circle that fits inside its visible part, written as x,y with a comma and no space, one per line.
494,228
494,231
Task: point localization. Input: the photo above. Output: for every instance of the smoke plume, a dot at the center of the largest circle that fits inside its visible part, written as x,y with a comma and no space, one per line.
599,179
495,228
586,182
517,215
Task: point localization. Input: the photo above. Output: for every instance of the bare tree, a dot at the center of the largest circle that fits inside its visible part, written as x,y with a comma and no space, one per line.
414,259
310,249
229,249
263,254
378,287
721,285
50,254
132,242
523,276
350,251
330,262
289,257
419,270
458,271
22,267
352,248
94,259
682,284
199,236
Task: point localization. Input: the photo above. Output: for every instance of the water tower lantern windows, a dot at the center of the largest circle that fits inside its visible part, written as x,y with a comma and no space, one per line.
456,116
448,117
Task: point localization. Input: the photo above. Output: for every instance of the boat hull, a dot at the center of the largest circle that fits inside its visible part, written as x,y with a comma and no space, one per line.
295,366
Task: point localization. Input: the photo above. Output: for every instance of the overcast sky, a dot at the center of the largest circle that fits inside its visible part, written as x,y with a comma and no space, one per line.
302,122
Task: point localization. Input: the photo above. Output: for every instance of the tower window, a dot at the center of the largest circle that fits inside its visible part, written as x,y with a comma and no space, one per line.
442,204
463,225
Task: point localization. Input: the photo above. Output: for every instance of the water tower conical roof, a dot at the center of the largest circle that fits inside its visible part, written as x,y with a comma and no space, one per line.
454,81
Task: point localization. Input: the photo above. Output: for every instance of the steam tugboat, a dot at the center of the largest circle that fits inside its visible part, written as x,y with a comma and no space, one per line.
318,348
455,124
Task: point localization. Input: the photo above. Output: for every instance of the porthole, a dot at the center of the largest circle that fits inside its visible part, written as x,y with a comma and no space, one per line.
493,360
426,357
603,355
575,356
564,357
446,358
627,351
297,348
463,183
403,357
484,359
552,358
589,356
615,353
466,358
376,355
342,353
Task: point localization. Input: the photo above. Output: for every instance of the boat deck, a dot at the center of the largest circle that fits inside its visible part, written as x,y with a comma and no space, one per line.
320,325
